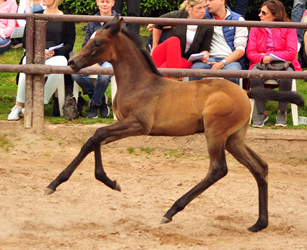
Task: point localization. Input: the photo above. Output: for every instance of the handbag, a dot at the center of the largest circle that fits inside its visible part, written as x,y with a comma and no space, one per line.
275,65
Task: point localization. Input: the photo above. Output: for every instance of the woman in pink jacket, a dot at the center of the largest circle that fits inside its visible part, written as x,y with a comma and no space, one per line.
7,25
263,45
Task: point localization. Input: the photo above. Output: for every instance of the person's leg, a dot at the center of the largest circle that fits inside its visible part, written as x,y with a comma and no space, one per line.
240,7
101,86
284,85
5,44
201,65
85,83
133,9
53,80
258,83
298,9
168,54
233,66
118,6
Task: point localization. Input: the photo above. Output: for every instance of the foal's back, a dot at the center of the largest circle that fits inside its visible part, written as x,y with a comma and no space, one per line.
184,108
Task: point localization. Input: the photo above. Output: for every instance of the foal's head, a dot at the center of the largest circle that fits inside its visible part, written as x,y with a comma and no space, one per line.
98,48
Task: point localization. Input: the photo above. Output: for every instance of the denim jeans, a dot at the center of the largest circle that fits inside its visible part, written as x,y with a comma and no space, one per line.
230,66
94,92
5,44
298,9
240,7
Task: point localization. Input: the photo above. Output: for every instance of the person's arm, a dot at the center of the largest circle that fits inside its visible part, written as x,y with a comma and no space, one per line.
8,30
156,34
290,49
252,50
69,40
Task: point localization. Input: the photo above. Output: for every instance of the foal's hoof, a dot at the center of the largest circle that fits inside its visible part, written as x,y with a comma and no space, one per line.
117,187
49,191
165,220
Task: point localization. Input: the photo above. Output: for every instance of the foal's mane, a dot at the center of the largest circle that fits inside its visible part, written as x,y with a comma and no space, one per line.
139,42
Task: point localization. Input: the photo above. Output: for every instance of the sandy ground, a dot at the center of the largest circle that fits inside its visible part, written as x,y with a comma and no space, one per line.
85,214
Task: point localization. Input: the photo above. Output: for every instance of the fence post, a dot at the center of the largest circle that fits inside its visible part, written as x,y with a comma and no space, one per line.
39,79
28,120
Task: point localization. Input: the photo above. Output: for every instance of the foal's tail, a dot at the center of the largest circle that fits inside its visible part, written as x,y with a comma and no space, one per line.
264,95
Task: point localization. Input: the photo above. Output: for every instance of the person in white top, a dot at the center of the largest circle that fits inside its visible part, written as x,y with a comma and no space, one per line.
228,43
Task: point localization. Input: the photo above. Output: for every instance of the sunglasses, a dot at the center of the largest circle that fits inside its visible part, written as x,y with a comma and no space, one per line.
263,12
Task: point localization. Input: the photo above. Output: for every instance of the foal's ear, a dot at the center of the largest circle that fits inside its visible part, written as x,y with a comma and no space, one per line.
117,26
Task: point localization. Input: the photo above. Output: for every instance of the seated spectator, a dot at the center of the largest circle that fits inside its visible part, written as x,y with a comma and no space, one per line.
57,33
184,40
266,43
228,43
302,56
97,92
7,25
25,6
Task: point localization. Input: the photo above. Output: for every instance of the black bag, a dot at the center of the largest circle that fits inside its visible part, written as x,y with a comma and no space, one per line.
70,109
275,65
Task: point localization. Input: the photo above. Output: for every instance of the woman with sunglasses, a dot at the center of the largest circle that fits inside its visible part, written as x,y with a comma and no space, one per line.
267,43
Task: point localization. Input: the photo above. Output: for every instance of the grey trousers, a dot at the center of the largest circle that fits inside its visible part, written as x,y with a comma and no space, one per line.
284,85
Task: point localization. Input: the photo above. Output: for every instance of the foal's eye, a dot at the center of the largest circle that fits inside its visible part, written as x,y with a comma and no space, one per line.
98,42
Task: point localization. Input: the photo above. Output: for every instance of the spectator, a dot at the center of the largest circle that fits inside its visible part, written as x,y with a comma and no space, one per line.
25,6
228,43
298,9
302,55
133,9
57,33
7,25
263,44
97,92
185,39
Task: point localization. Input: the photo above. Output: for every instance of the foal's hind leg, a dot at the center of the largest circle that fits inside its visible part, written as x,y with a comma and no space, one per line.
217,170
259,169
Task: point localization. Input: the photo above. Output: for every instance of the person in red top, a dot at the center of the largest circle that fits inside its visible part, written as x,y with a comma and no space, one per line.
267,43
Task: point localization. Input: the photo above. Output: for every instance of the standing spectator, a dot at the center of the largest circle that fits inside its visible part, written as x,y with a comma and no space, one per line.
228,43
58,33
7,25
263,44
97,92
184,39
133,9
298,9
240,7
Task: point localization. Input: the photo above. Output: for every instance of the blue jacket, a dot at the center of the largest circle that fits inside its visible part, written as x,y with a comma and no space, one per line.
230,32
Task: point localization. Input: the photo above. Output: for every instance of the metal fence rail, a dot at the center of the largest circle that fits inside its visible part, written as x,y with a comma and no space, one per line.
35,68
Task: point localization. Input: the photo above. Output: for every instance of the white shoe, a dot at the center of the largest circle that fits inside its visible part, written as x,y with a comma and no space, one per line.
298,46
15,113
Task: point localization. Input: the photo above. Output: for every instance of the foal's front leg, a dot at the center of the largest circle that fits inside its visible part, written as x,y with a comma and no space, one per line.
125,128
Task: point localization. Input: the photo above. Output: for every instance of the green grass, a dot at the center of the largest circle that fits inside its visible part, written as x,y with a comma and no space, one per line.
8,90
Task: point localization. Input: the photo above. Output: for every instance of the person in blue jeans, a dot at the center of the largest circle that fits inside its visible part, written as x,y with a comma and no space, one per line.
298,9
228,43
97,92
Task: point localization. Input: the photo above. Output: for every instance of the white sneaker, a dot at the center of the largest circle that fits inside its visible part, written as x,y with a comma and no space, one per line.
298,46
15,112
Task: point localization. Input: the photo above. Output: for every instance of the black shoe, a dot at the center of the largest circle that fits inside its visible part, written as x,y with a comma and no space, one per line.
93,111
103,108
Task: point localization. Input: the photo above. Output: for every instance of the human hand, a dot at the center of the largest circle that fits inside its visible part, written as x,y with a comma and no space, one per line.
95,65
205,58
216,65
266,60
49,54
150,26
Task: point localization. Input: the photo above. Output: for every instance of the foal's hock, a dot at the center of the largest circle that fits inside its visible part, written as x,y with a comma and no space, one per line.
146,103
